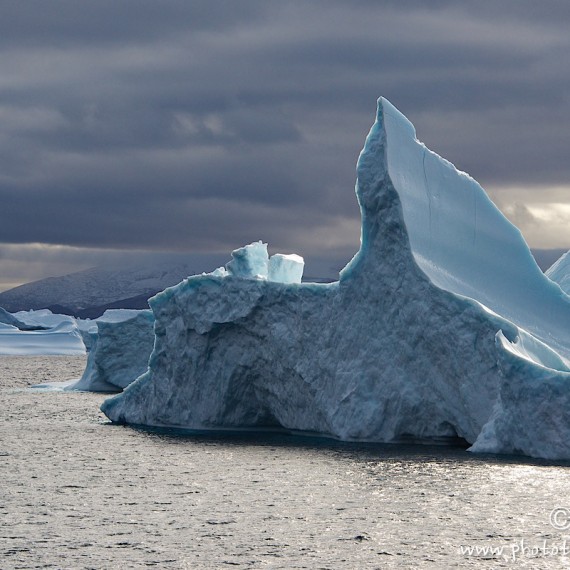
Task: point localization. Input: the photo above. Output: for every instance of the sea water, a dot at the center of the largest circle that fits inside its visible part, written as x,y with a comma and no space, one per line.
77,492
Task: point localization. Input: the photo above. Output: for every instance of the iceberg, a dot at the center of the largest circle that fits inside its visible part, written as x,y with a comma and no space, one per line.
120,348
441,326
64,339
253,262
43,318
9,319
250,261
560,272
286,268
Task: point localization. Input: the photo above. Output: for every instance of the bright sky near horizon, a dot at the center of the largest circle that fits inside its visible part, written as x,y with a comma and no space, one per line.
129,126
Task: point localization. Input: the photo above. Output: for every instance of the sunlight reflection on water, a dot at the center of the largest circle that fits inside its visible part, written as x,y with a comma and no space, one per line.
78,492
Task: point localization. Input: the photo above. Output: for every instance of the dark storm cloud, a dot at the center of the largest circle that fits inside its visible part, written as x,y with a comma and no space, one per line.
69,23
203,125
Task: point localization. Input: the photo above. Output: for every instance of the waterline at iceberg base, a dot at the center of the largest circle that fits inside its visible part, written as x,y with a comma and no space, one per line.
442,325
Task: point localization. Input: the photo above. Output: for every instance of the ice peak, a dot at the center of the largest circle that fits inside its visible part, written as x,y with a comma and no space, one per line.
250,261
457,236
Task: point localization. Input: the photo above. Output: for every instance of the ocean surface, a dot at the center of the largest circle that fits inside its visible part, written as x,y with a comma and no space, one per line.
77,492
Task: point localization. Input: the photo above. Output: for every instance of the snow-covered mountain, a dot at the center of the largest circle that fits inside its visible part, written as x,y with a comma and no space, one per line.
97,288
88,293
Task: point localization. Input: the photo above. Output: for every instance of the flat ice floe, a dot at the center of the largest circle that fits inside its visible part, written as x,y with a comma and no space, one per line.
442,325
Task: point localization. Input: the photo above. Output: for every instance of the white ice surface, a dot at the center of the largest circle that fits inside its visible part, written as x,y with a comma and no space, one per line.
442,325
286,268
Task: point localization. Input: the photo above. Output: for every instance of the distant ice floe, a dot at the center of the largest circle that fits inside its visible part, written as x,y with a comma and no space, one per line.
44,318
63,339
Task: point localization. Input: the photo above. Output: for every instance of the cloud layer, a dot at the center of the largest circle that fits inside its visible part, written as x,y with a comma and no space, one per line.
200,126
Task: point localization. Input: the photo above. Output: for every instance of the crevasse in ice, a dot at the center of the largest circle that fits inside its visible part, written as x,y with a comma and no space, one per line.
442,325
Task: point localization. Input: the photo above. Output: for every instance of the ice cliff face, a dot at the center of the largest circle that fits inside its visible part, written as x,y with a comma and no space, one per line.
439,317
120,349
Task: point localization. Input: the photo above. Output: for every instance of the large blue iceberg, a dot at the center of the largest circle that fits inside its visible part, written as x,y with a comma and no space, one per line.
441,326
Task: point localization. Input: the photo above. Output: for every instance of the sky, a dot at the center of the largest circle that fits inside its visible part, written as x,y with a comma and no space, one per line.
133,128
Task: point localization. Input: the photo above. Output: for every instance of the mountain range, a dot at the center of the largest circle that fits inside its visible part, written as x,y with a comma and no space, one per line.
88,293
